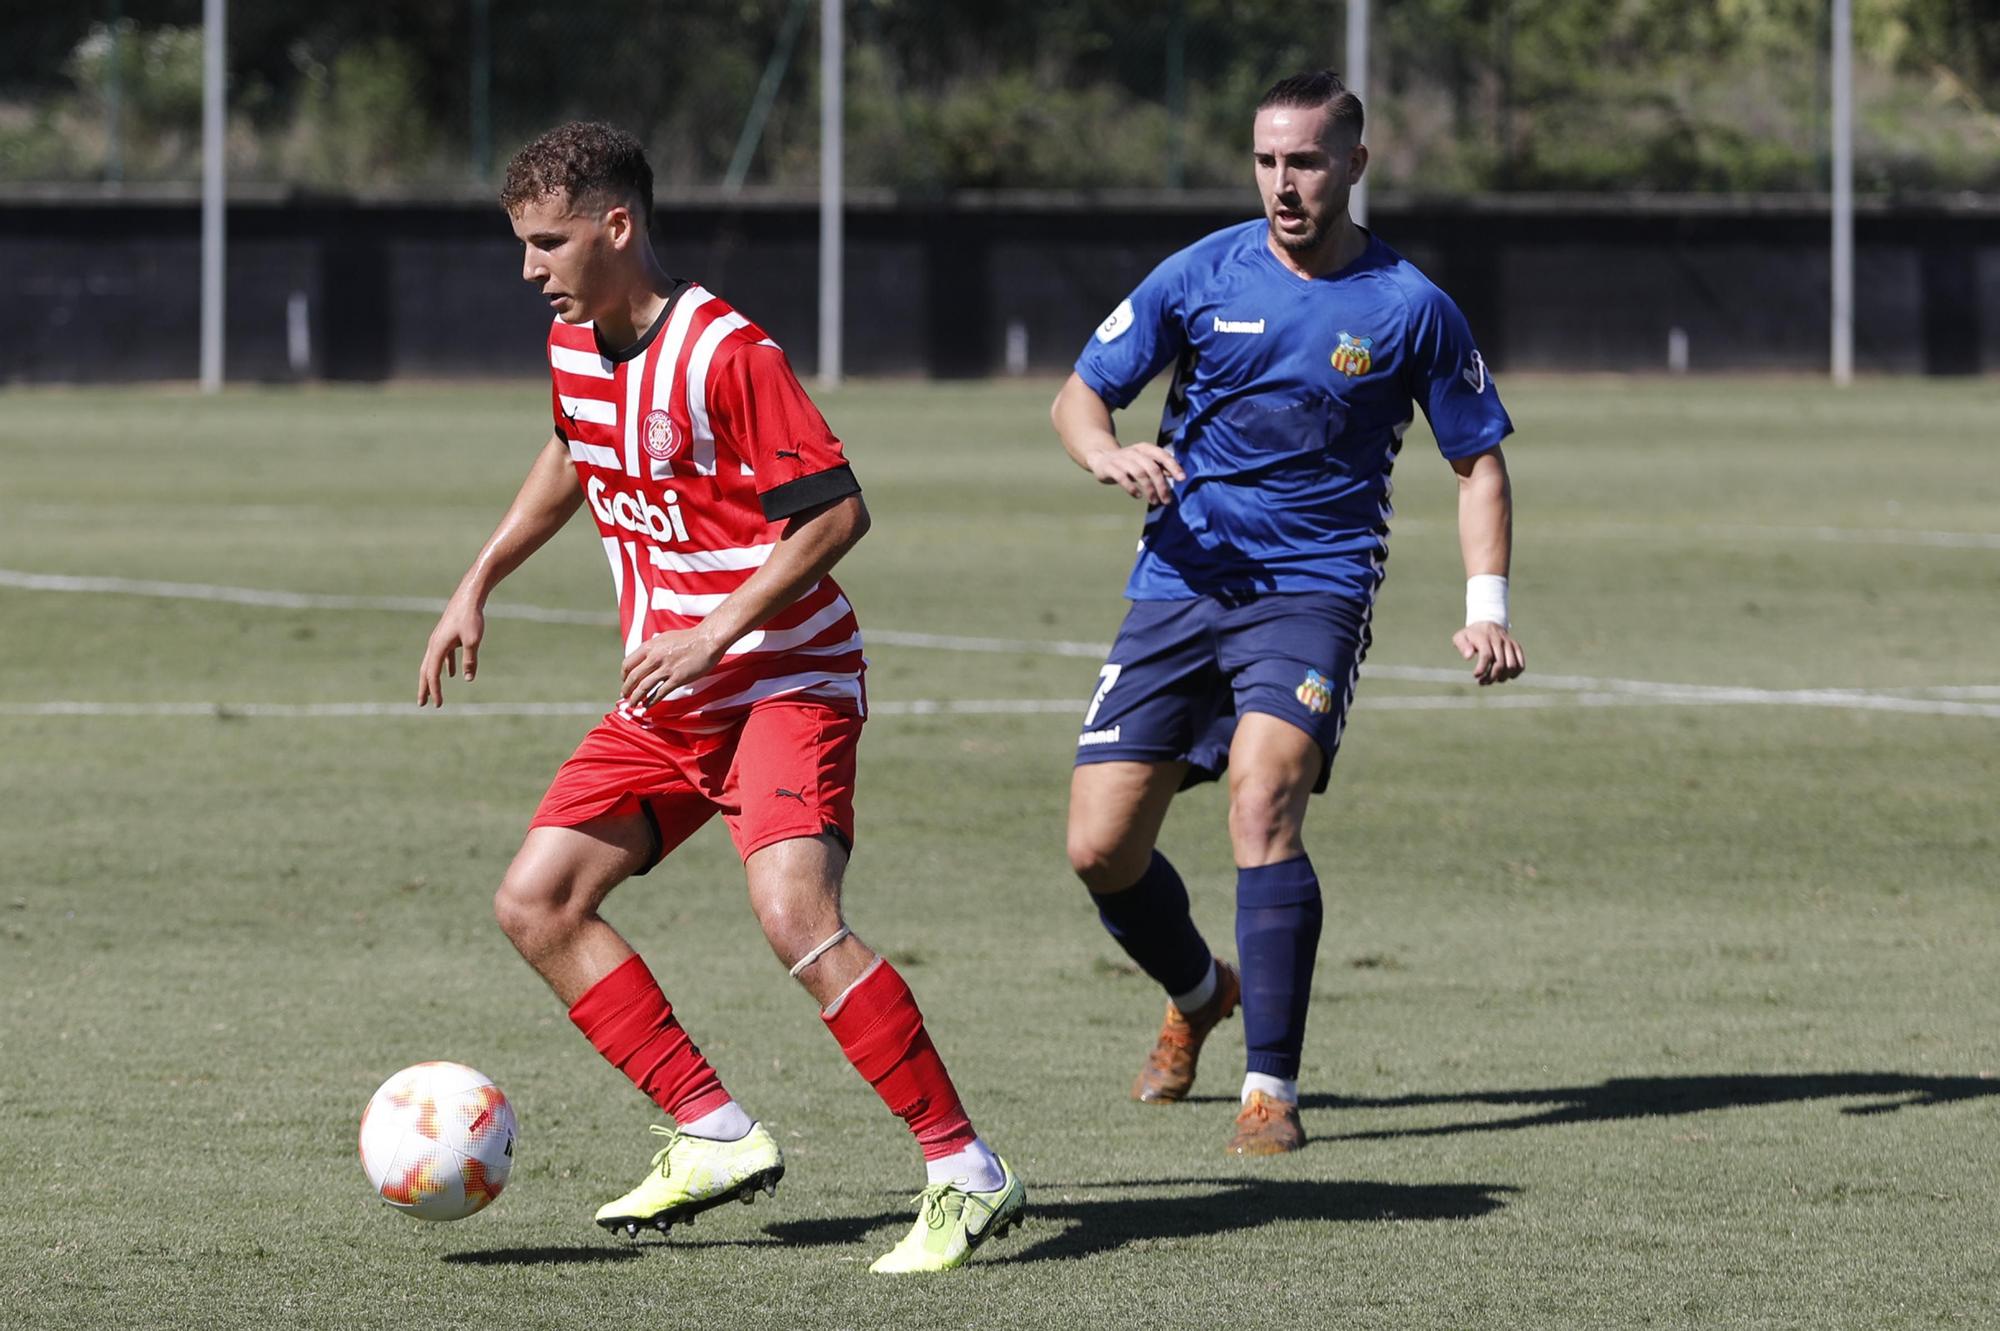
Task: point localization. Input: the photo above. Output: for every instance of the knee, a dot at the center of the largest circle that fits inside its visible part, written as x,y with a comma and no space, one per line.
1086,856
1102,863
794,927
532,908
780,922
1261,816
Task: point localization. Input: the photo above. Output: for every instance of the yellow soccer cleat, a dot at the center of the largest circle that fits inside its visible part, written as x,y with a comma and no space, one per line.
951,1222
694,1174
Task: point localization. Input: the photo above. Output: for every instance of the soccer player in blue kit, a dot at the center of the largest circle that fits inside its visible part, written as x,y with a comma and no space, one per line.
1300,343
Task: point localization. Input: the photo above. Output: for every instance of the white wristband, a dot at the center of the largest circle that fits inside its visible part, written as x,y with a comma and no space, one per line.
1486,599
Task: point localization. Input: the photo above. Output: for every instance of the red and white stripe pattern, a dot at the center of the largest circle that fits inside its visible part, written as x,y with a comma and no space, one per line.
669,447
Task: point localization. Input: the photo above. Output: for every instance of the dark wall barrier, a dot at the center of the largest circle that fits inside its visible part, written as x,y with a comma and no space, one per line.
977,285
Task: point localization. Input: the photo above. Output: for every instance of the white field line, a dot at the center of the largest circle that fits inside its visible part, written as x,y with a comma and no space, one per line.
479,710
1591,690
1490,701
201,591
1947,691
1954,540
1556,528
946,642
902,707
1737,531
1585,690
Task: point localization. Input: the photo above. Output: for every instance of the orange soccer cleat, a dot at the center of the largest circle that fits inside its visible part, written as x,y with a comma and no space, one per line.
1169,1070
1267,1126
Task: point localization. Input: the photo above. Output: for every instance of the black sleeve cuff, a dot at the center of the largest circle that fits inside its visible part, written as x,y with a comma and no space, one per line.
822,487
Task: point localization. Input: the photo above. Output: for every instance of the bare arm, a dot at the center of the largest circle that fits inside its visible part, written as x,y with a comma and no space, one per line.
1083,423
1486,540
811,544
547,499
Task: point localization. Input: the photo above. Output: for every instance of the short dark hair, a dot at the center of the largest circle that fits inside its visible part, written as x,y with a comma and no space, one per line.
585,161
1316,88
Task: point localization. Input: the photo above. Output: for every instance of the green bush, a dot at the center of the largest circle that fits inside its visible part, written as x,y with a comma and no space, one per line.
1467,95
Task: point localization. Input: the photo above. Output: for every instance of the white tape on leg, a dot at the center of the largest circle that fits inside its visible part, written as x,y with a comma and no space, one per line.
820,951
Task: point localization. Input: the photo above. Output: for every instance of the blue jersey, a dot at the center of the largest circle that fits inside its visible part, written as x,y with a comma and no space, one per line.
1287,408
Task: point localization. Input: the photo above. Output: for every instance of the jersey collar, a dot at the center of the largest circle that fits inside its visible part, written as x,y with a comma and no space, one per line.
1366,259
646,338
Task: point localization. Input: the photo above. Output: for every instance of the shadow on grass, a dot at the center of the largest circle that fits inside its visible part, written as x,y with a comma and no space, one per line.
539,1256
1658,1097
1092,1226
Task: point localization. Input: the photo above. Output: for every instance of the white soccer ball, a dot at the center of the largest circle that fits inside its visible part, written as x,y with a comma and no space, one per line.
437,1141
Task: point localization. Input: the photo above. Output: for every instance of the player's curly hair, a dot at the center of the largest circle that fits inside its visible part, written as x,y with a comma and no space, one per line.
590,164
1319,87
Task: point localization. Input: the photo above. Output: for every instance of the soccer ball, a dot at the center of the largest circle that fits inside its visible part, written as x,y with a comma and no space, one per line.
437,1141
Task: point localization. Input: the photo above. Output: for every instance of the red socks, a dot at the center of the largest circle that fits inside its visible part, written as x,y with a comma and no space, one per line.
882,1033
631,1023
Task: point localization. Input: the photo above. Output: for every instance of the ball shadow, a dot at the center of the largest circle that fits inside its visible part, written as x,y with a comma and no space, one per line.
540,1256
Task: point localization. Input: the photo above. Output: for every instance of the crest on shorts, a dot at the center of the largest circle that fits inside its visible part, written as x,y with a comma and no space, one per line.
1352,356
1316,692
657,432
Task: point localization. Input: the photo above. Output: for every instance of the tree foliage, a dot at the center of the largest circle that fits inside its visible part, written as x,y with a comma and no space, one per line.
1466,95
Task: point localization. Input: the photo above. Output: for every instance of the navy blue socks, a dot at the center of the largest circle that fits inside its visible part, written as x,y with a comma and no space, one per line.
1150,920
1277,938
1278,916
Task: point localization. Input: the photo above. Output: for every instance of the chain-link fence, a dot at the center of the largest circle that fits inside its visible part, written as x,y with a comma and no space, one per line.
1467,95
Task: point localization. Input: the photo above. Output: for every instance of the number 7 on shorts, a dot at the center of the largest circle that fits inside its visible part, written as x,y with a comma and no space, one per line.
1105,679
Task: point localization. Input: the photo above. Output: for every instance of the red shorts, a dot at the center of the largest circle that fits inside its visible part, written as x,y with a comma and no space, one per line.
785,770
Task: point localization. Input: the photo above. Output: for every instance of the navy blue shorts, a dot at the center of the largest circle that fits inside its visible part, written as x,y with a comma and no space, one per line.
1181,672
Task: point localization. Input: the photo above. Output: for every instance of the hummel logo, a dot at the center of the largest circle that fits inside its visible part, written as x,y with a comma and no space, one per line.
1223,325
789,794
1475,373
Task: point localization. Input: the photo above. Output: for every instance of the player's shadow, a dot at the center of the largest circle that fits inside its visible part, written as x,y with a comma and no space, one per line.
1661,1097
540,1256
1094,1225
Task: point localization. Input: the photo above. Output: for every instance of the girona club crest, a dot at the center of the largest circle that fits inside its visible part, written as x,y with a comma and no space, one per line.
658,432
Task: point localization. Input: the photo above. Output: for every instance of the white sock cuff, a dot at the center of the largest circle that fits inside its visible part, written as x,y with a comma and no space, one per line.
1278,1088
726,1123
976,1168
1198,995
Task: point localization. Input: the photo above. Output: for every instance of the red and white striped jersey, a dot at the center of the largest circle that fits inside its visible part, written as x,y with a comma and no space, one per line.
693,446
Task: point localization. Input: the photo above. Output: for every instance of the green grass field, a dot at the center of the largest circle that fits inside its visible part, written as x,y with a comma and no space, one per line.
1658,989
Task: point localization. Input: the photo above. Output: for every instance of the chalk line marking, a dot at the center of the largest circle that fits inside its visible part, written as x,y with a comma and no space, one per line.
482,710
1460,702
1583,690
202,591
1738,531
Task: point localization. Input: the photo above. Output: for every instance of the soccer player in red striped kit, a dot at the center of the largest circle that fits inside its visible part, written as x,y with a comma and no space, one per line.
723,501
